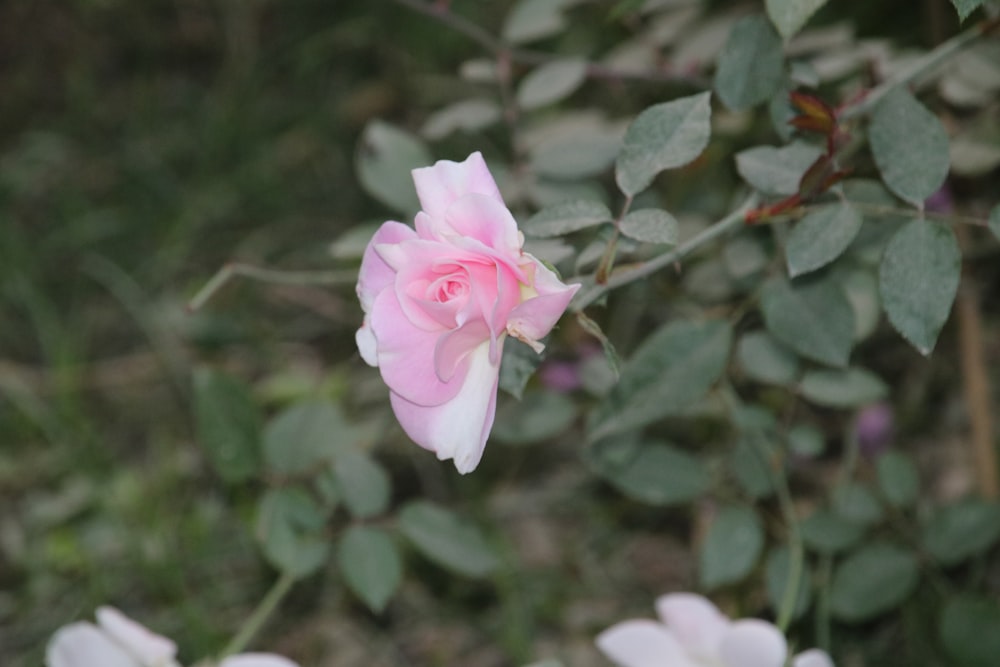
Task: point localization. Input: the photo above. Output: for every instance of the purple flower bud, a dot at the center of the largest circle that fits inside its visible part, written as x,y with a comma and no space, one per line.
941,201
873,427
560,376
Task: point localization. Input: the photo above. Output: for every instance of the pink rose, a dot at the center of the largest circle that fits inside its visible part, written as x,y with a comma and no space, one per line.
440,299
694,633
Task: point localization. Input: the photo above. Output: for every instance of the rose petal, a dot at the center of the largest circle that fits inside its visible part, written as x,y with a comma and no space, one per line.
534,318
454,346
257,660
485,219
457,429
697,624
150,648
406,355
642,643
444,182
812,658
83,645
753,643
367,345
375,275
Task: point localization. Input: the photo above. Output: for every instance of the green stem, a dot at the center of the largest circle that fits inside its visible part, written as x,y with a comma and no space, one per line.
731,221
921,66
260,615
274,276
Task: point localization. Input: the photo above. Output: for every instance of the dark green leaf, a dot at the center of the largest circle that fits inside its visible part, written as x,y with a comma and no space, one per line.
898,479
806,441
672,369
910,146
779,562
821,237
370,564
766,360
751,66
540,415
363,484
856,503
812,317
517,365
827,533
446,539
610,353
386,155
731,548
970,630
290,529
664,136
918,280
229,424
565,218
751,470
650,225
305,435
847,388
776,171
654,473
871,581
962,530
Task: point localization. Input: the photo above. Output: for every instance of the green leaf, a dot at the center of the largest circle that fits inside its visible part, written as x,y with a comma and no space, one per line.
655,473
918,280
874,579
751,66
970,630
779,562
568,158
789,16
446,539
363,484
910,146
731,548
898,479
385,156
650,225
303,436
672,369
751,469
540,415
856,503
289,528
812,317
370,564
806,440
517,365
766,360
530,20
776,171
567,217
821,237
827,533
861,288
962,530
994,221
229,424
610,353
466,116
966,7
847,388
664,136
551,82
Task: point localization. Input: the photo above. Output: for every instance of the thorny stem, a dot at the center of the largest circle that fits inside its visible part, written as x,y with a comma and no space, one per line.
529,57
260,615
274,276
886,211
732,221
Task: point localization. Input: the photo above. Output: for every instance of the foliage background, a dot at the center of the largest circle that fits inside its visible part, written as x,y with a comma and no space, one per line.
143,145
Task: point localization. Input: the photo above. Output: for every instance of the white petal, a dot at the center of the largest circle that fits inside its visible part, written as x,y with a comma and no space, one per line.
83,645
642,643
812,658
695,621
753,643
151,649
367,345
257,660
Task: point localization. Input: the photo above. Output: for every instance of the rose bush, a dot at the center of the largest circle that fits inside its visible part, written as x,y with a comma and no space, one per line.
118,641
694,633
440,299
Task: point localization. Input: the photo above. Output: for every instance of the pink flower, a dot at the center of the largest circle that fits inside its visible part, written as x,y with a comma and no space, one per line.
439,300
694,633
118,641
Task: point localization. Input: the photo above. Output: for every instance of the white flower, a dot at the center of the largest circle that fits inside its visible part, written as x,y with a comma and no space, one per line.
118,641
694,633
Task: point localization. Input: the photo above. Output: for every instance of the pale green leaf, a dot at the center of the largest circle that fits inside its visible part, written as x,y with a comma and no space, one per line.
370,564
447,539
994,221
779,563
538,416
898,479
812,317
856,503
806,440
828,533
873,580
821,237
650,225
751,66
531,20
842,388
653,473
910,146
305,435
764,359
789,16
918,280
551,82
567,217
385,156
731,548
517,365
290,529
751,469
776,171
966,7
465,116
229,424
664,136
363,484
